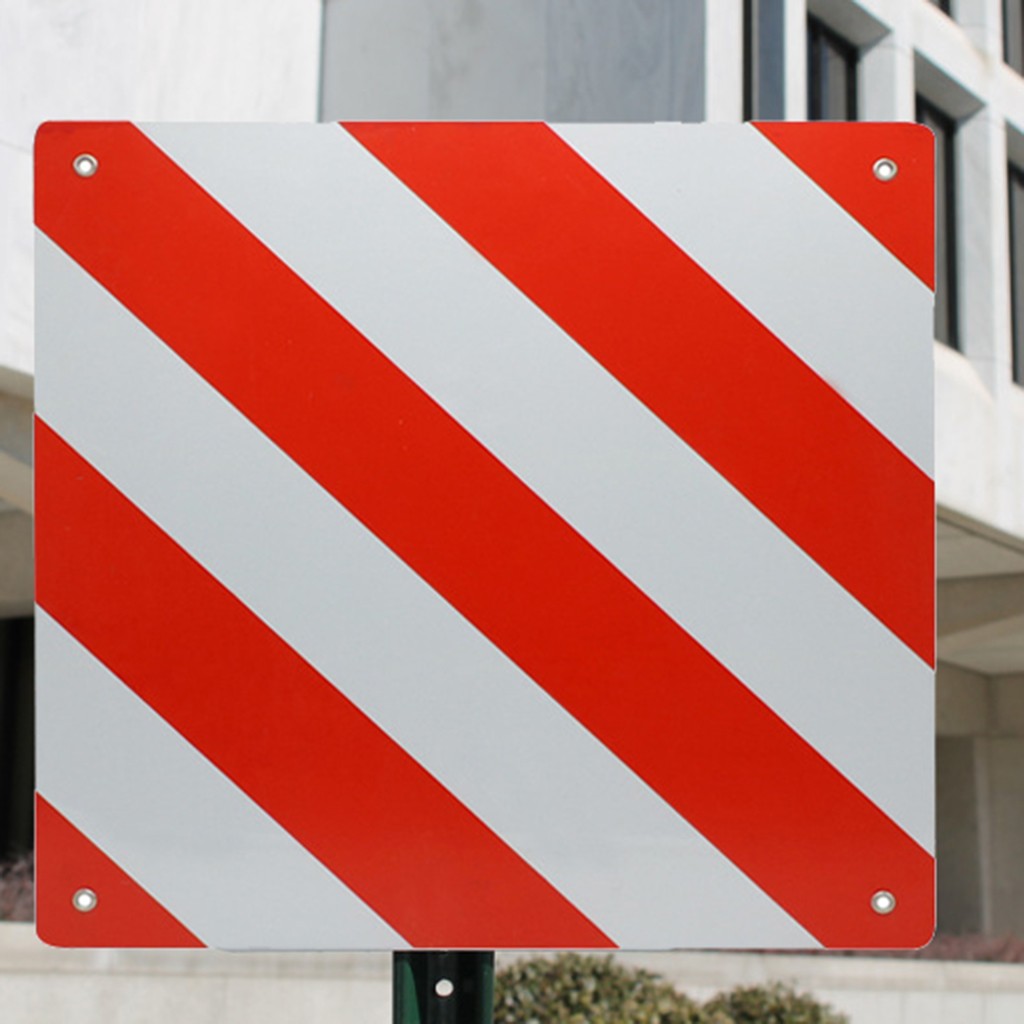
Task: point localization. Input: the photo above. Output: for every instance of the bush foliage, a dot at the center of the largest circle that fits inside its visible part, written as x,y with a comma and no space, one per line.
772,1004
574,989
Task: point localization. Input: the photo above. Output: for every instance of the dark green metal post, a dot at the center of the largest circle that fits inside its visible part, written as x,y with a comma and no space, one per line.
443,988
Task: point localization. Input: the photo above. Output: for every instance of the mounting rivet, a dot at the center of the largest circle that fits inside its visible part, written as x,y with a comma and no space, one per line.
86,165
885,169
444,988
84,900
883,902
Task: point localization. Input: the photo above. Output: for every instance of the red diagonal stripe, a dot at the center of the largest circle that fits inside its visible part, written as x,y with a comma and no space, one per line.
652,317
270,722
840,157
125,914
597,644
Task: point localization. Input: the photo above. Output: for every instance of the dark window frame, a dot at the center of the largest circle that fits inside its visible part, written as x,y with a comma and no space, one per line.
944,127
1015,176
17,739
1013,34
823,42
764,71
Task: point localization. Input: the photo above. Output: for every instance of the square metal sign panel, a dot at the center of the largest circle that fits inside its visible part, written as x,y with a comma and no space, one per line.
485,535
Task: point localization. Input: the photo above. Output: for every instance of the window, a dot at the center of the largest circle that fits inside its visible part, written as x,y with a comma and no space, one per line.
763,71
16,737
1016,181
946,326
943,5
1013,34
831,75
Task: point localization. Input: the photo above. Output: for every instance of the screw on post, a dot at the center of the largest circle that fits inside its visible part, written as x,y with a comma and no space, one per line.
443,987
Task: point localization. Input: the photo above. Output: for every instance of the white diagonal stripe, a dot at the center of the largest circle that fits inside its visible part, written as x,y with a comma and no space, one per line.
739,207
582,442
174,822
362,618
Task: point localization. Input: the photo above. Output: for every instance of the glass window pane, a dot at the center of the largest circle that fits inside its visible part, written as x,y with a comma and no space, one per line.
946,327
837,84
1013,33
831,75
1016,176
763,70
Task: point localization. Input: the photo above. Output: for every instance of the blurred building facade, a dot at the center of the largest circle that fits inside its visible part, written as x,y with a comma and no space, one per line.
957,66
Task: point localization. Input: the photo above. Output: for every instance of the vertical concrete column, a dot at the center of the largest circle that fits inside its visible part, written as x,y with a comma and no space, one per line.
886,74
962,800
1002,806
982,22
983,249
983,814
796,60
980,800
15,250
958,839
723,60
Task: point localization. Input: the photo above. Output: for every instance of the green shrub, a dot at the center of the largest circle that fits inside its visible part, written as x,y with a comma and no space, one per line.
574,989
773,1004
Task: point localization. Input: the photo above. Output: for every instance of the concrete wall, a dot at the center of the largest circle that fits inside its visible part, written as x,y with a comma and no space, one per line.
556,59
587,60
125,987
909,46
980,801
868,990
559,59
583,60
638,60
188,60
137,59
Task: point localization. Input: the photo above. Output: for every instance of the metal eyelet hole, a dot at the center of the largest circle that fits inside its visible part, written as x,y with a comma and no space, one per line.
886,169
86,165
883,902
84,900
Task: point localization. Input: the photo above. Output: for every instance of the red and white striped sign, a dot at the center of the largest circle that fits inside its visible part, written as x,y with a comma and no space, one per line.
484,536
